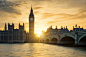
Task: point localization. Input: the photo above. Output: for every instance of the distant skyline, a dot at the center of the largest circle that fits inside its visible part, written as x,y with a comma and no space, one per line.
47,12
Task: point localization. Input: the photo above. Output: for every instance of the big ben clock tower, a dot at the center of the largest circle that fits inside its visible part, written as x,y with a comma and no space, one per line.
31,26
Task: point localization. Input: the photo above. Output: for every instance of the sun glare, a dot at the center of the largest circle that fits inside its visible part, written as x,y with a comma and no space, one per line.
38,34
27,29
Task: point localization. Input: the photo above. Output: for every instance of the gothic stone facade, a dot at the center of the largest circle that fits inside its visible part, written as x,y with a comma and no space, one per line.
13,35
52,31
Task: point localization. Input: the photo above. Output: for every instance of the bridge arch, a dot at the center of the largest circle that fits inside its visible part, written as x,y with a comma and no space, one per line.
41,40
67,39
47,40
54,40
68,36
82,40
81,37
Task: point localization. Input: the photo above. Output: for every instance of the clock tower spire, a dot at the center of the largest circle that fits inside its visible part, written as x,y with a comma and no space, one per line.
31,9
31,26
31,12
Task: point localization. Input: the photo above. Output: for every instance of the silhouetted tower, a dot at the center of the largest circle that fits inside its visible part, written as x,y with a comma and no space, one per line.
5,27
76,25
10,32
66,27
56,27
21,27
31,26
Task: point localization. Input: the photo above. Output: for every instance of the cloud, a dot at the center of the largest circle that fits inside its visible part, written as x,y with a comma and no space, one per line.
51,18
52,22
80,15
8,6
37,12
11,10
46,12
38,7
47,15
41,0
77,3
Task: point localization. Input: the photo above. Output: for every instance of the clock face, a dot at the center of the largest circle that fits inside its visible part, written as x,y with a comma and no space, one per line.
31,19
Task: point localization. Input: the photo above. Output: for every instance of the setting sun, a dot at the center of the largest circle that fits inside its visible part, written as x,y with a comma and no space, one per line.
38,34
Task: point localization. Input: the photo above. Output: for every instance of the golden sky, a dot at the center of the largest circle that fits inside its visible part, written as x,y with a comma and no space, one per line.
47,12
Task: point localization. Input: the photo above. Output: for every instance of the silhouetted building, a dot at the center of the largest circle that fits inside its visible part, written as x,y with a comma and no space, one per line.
51,31
31,26
13,35
77,29
27,37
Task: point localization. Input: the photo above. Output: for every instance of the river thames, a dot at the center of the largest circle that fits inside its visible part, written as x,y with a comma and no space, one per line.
40,50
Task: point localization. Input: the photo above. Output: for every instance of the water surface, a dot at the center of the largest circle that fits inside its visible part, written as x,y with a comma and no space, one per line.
40,50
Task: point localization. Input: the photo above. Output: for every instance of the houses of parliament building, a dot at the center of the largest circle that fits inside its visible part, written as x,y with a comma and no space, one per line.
13,35
18,35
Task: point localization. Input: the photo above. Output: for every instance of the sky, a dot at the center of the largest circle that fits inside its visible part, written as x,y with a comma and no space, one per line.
46,12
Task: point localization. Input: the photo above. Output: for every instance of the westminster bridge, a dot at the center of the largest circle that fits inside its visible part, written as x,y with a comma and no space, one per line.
77,38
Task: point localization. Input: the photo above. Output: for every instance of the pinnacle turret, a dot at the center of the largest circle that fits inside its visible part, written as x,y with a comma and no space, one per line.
5,27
